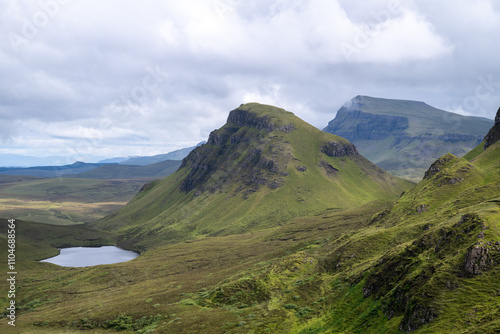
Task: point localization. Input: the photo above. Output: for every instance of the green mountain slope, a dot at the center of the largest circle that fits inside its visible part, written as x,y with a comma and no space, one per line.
261,169
427,263
405,137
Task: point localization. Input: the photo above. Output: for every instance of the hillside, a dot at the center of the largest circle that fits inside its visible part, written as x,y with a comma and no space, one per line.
426,263
263,168
405,137
114,171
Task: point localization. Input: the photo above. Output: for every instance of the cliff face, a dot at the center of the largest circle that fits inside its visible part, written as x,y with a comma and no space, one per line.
262,160
405,137
357,125
494,134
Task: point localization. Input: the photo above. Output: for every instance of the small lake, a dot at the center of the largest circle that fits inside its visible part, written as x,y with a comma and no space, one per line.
91,256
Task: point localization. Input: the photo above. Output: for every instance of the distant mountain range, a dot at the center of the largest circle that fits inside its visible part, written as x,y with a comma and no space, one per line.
115,171
148,160
51,171
157,166
404,137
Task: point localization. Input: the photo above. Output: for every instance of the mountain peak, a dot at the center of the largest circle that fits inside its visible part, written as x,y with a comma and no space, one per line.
261,116
404,137
263,157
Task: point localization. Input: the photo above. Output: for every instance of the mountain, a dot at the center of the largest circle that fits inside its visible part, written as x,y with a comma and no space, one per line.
114,160
174,155
51,171
404,137
264,167
426,262
114,171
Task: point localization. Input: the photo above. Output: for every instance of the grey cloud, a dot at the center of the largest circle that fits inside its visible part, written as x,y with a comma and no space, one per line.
91,64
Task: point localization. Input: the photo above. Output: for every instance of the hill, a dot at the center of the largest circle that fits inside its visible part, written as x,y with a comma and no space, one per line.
263,168
114,171
404,137
428,262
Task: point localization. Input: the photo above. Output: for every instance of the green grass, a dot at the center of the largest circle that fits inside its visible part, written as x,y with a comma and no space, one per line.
376,267
63,201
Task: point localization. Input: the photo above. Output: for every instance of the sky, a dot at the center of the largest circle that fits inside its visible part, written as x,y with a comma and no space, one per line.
90,79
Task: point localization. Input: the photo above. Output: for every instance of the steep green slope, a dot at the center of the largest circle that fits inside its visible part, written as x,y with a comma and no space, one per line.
430,263
441,273
261,169
405,137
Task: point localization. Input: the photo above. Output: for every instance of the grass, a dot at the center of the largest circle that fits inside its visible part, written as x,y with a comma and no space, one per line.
376,267
63,201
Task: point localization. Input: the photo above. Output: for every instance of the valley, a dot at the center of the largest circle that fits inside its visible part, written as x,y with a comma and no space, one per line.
272,226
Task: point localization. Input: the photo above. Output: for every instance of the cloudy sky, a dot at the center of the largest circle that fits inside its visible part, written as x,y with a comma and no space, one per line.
86,78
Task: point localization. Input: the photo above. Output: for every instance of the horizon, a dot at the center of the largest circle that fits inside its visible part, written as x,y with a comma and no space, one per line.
59,161
162,76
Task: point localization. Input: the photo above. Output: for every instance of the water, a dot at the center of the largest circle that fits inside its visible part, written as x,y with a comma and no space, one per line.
91,256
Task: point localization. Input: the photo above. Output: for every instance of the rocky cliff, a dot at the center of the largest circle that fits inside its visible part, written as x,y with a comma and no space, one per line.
405,137
494,134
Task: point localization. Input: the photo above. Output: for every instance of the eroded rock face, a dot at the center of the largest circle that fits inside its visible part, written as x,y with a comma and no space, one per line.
261,160
334,149
355,124
477,260
494,134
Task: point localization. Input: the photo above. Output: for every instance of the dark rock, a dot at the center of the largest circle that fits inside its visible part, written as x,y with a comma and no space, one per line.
438,165
335,149
423,208
241,117
330,170
301,168
476,260
419,316
494,134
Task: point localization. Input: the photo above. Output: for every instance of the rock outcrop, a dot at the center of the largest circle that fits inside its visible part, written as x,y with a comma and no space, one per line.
335,149
494,134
